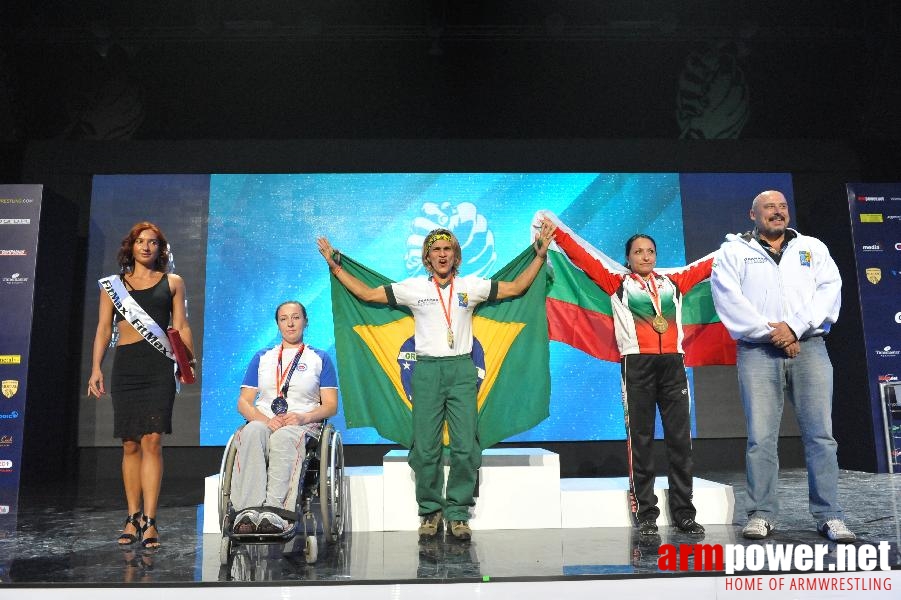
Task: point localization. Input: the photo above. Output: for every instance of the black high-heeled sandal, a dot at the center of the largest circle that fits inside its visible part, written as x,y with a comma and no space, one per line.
127,539
149,542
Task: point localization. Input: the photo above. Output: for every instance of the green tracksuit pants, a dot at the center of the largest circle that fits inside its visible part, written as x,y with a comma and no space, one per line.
445,389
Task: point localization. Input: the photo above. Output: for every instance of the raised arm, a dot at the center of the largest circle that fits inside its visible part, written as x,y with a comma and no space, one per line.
590,265
692,274
353,285
517,287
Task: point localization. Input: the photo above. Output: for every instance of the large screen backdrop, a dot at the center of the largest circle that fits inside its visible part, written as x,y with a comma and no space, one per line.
261,250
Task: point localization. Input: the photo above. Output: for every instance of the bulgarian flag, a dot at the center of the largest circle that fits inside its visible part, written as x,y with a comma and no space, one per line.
579,312
374,346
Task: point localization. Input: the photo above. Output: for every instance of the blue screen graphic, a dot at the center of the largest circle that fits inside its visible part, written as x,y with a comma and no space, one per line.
262,250
248,242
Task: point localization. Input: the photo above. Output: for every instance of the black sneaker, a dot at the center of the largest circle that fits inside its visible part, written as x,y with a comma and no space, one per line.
689,525
647,527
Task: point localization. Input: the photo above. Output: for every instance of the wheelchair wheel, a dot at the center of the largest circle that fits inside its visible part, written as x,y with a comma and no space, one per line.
225,479
224,550
311,550
331,483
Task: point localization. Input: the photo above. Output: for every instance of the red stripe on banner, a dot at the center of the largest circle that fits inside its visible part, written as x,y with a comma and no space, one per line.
707,344
589,331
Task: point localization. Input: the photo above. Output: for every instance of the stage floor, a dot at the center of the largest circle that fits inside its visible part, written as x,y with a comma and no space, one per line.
66,539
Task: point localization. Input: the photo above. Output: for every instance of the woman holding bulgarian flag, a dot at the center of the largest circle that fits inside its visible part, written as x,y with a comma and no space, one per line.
647,320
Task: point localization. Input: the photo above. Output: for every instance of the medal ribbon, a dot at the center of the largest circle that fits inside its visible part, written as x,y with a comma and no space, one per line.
652,290
447,309
282,379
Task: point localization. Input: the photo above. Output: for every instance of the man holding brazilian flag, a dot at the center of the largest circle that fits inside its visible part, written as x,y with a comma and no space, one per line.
458,332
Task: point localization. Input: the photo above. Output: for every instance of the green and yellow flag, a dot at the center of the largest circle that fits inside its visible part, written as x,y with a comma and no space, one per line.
376,355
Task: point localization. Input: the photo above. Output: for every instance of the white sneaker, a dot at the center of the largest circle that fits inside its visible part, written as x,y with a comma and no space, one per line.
836,530
246,522
757,529
272,523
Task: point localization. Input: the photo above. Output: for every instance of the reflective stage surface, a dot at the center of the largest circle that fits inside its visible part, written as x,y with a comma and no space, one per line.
69,539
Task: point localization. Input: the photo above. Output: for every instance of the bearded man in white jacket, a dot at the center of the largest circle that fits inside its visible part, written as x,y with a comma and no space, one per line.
778,292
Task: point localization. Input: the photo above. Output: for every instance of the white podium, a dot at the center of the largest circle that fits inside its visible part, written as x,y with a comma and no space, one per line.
519,488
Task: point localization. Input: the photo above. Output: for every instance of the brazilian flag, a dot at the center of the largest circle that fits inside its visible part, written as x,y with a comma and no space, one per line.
376,355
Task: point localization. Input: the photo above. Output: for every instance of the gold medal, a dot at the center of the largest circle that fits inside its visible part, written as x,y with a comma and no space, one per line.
659,324
447,310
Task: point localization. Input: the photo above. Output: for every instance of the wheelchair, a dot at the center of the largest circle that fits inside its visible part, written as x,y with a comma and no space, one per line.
321,478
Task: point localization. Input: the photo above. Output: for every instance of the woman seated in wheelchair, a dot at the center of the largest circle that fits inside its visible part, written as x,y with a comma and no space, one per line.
288,390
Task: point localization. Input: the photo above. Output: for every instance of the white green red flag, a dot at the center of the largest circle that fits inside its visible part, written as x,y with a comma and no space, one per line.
580,315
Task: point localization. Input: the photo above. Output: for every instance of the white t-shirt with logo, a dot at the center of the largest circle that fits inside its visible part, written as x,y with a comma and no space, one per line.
421,296
314,370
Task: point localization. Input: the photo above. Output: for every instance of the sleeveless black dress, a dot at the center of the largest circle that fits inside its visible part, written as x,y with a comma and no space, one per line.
142,384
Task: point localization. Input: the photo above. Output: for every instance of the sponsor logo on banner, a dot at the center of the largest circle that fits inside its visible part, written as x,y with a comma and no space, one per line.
15,279
16,200
874,275
877,247
898,246
887,378
6,464
11,252
10,359
4,509
9,387
6,441
888,352
10,415
871,217
895,198
15,221
871,198
898,317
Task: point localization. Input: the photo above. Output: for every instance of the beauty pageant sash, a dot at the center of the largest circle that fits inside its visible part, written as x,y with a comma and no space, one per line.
137,316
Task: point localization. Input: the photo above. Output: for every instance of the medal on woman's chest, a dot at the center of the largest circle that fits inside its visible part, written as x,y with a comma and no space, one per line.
659,324
279,406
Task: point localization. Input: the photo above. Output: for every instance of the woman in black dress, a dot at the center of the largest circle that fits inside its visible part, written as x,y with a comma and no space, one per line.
142,384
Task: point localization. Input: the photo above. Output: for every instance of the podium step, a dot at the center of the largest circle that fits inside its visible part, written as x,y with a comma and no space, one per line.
519,488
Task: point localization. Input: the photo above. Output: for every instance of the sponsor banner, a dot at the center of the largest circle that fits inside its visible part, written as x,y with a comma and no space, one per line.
20,211
876,227
14,279
871,217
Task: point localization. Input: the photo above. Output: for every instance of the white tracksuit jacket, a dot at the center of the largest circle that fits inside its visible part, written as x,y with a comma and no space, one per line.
750,289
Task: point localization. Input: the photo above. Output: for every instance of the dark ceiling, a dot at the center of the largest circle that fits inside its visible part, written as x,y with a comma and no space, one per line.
280,69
